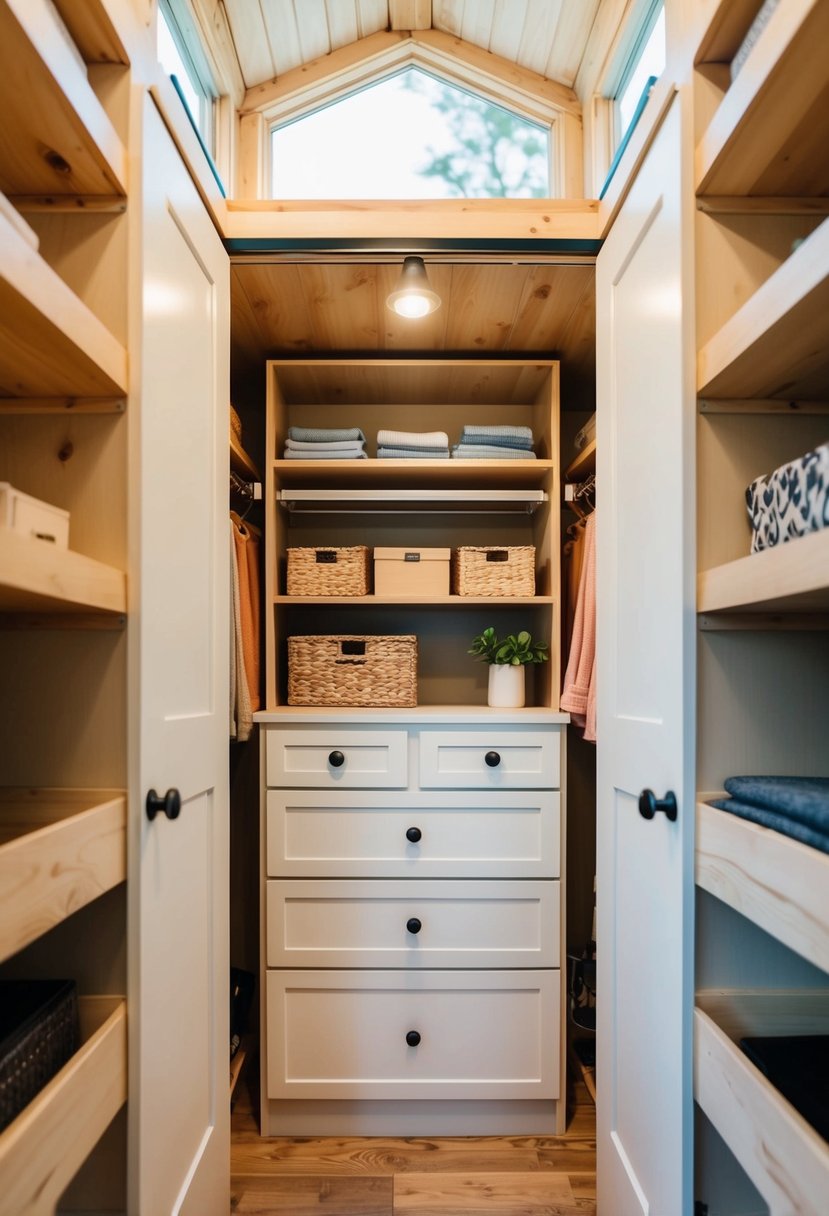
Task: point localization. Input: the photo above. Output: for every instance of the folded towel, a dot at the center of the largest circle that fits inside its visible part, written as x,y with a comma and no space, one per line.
291,455
479,452
341,445
324,434
412,439
776,822
499,441
506,432
804,799
412,454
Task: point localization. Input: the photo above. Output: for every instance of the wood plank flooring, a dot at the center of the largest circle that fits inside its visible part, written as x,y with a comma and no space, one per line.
372,1176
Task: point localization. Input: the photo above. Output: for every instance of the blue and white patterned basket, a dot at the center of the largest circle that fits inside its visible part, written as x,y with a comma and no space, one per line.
790,502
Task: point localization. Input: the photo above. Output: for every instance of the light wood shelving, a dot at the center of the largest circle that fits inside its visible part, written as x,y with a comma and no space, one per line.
583,465
433,601
59,849
240,462
790,578
775,881
785,1158
768,133
42,1150
36,577
518,474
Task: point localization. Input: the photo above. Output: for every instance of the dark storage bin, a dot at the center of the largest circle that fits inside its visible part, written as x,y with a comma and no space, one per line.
39,1032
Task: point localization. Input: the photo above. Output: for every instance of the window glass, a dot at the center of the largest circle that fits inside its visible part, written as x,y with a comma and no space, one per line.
411,136
172,58
648,60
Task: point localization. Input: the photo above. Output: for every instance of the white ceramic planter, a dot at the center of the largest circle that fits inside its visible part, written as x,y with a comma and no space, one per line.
506,686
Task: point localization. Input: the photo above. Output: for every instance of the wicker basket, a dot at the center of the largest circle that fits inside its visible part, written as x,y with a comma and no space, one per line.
38,1034
329,571
348,669
490,570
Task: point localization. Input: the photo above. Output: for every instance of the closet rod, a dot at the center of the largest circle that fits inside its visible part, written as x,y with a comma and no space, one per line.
521,509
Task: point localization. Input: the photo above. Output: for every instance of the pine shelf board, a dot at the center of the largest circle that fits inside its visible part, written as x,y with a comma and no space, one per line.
51,344
56,137
515,474
92,30
583,465
724,32
241,462
791,577
42,1150
783,1156
424,601
774,881
37,577
771,128
59,849
776,344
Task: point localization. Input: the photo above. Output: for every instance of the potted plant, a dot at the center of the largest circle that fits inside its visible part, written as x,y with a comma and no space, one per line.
507,659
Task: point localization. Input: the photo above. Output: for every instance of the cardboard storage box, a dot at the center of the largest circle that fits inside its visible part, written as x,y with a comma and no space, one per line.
411,572
31,517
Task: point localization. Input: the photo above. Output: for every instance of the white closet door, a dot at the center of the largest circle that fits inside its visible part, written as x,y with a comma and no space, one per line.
645,687
178,1013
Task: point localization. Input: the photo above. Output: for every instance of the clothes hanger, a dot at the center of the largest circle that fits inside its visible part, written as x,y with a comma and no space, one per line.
241,521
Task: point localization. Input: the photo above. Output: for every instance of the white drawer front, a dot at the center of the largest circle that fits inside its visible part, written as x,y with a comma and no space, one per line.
342,1034
369,758
490,759
416,924
461,835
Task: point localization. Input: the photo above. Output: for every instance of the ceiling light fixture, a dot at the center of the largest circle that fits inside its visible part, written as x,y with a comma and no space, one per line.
413,297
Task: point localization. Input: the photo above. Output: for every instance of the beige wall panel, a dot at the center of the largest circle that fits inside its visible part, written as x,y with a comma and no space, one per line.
538,34
572,31
312,29
283,34
250,37
372,15
341,21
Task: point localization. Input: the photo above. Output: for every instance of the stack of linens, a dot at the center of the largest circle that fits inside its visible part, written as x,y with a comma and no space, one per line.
495,443
796,806
325,443
412,445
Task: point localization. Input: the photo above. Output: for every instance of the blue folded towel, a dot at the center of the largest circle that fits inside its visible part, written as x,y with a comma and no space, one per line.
324,434
498,432
502,441
470,451
288,454
776,822
412,453
804,799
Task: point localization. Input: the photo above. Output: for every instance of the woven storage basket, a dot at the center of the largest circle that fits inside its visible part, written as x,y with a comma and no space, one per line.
38,1034
493,570
329,571
350,669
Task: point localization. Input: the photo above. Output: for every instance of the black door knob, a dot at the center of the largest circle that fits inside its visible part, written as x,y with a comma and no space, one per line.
336,759
170,804
413,834
492,759
414,925
649,804
413,1038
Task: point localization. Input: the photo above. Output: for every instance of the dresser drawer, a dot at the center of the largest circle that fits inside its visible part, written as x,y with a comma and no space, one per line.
337,759
343,1034
490,759
413,835
418,924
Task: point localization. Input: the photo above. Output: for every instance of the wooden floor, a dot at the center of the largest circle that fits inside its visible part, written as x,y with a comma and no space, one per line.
477,1176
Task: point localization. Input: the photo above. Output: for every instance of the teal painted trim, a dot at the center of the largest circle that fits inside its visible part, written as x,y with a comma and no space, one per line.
620,151
210,162
328,244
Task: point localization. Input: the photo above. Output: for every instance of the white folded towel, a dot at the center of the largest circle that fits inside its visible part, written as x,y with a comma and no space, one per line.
412,439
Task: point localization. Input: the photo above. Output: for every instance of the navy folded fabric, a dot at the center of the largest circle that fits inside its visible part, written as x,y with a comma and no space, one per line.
777,822
804,799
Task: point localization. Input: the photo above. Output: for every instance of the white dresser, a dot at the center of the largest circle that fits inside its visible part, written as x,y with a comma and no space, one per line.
412,922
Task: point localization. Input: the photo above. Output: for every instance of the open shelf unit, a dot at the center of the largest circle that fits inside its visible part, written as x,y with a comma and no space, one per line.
64,380
428,503
763,371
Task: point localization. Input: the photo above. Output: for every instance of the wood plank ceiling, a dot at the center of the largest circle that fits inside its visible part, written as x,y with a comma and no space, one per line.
545,36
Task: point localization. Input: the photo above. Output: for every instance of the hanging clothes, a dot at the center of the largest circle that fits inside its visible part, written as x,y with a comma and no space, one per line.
573,552
244,648
579,693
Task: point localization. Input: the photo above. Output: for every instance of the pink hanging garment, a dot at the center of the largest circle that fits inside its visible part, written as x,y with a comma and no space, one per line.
578,696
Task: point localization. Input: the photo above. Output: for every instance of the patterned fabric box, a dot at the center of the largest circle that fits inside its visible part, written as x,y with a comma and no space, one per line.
790,502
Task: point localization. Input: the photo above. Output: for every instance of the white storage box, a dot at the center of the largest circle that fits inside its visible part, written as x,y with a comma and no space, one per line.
411,572
34,518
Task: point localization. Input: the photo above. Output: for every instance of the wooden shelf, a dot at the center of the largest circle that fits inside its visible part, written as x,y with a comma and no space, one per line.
240,462
782,1154
516,474
791,577
768,136
725,30
774,881
59,849
92,31
51,344
65,144
583,465
37,577
42,1150
776,344
426,601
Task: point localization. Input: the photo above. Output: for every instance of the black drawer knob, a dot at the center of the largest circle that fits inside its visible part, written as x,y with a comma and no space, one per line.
413,1038
413,834
649,804
414,925
336,759
492,759
170,804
